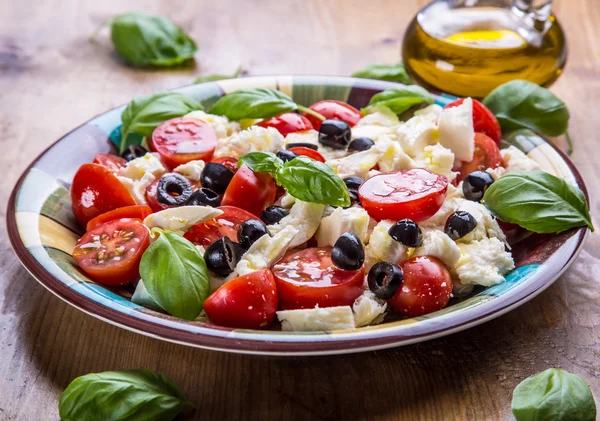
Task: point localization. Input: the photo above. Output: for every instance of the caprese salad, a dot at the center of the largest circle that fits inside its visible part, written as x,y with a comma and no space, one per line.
327,217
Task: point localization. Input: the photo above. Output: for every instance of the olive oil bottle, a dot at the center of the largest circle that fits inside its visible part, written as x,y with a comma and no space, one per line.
469,47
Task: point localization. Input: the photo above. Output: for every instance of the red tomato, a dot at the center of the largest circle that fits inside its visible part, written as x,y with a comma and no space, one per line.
182,140
229,161
110,253
246,302
288,123
152,198
134,212
427,287
486,155
112,162
96,190
224,225
331,109
308,278
484,121
416,194
311,153
250,191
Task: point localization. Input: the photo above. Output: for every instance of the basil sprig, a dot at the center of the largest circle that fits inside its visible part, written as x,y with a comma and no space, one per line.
218,76
131,395
553,395
144,40
175,275
400,99
257,103
302,177
145,113
388,72
538,201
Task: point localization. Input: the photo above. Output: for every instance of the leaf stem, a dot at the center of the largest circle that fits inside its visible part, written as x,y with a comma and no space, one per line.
311,112
569,143
94,35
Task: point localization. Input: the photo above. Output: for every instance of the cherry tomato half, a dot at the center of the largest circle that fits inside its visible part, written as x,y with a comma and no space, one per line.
331,109
484,121
416,194
96,190
110,253
427,287
134,212
246,302
112,162
311,153
182,140
224,225
288,123
308,278
229,161
486,155
250,191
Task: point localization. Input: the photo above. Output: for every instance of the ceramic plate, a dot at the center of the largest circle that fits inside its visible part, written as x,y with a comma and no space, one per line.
43,232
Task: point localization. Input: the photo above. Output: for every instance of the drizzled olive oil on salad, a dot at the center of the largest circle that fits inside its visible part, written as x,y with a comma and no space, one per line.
470,51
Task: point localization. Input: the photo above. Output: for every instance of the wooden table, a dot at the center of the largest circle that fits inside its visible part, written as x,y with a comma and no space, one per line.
52,79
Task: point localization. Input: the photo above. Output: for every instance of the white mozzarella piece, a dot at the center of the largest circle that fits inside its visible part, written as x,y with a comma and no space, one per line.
191,170
142,297
374,132
438,244
382,116
368,309
221,125
305,136
483,262
317,319
255,138
137,168
355,220
456,130
453,197
496,173
487,226
182,218
384,248
418,132
437,159
305,217
460,290
515,160
137,188
432,110
357,164
287,201
394,158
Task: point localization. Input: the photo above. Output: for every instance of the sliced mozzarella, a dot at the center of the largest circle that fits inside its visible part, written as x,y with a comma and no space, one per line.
137,188
287,201
305,217
142,297
379,117
317,319
357,164
222,126
432,110
483,262
496,173
456,130
437,159
515,160
368,309
487,226
438,244
182,218
255,138
373,132
418,132
191,170
305,136
355,220
453,197
394,158
384,248
137,168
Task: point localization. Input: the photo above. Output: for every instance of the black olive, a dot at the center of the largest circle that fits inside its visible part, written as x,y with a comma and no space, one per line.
133,151
204,197
354,199
475,185
353,182
302,145
335,134
407,232
250,231
348,252
216,177
173,190
384,279
286,155
222,256
273,214
361,144
459,224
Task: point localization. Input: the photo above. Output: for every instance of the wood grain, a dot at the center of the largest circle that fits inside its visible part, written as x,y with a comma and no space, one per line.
52,79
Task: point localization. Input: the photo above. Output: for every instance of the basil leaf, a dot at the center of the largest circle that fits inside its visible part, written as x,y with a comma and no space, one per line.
261,161
313,181
145,113
145,40
553,395
253,103
215,77
522,104
129,395
175,275
537,201
400,99
389,72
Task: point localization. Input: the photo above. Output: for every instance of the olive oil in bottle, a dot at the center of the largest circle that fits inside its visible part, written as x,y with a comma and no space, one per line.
469,47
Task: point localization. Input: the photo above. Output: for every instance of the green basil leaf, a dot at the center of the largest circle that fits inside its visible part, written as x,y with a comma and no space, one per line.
261,161
538,201
215,77
553,395
253,103
522,104
145,113
145,40
400,99
175,275
129,395
389,72
313,181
